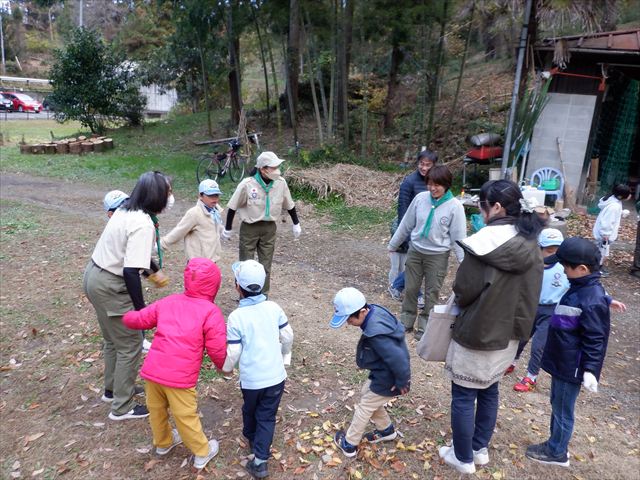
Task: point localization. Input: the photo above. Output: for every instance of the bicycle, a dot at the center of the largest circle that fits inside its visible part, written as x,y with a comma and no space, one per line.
218,165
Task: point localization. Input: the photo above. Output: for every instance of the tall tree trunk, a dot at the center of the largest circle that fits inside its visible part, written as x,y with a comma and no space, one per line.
453,112
291,109
274,75
318,71
396,59
312,83
50,22
344,78
262,58
436,79
205,87
293,57
332,87
235,90
532,29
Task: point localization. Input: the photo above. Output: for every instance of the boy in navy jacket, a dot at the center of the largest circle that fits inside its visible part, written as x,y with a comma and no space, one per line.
576,344
382,349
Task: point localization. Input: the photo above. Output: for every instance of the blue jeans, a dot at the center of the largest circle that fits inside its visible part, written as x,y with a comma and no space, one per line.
538,338
472,426
259,417
563,403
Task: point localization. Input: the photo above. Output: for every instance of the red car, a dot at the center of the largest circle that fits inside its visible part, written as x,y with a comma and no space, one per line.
23,103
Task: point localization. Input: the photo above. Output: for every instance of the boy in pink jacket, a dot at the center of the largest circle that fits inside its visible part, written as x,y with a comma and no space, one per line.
186,324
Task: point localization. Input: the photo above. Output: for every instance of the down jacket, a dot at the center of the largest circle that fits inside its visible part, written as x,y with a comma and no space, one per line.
382,349
578,331
497,288
411,186
186,324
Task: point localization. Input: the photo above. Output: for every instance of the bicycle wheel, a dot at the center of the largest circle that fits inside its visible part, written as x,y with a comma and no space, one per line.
236,167
207,168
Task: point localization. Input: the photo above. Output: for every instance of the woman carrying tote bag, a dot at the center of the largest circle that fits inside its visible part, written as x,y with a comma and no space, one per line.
497,288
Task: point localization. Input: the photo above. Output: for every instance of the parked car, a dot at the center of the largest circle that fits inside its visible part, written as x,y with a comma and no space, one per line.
6,103
23,103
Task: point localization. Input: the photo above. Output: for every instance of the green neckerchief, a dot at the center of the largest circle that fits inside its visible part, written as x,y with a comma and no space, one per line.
156,224
435,204
266,189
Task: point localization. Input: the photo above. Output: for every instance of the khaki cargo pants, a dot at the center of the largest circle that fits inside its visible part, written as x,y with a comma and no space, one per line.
259,237
122,346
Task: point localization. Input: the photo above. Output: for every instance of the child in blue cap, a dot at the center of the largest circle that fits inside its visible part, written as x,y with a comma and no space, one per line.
382,350
201,226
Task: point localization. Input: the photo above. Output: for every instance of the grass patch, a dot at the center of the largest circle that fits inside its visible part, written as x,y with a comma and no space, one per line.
15,219
37,130
166,145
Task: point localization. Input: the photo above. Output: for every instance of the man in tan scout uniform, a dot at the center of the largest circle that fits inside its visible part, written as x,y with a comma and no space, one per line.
259,199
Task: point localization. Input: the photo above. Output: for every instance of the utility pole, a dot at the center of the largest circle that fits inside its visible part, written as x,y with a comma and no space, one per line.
80,20
4,65
522,48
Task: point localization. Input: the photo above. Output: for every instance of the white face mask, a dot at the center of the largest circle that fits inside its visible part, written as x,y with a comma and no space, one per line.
170,201
274,175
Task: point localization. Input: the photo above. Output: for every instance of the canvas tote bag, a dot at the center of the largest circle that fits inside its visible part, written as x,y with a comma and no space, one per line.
434,343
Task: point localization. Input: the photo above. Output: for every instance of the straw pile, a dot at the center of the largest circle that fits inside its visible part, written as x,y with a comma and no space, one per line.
358,185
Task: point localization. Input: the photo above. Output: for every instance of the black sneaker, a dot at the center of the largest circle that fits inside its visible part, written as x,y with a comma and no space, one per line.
107,396
340,439
139,411
540,453
385,435
257,471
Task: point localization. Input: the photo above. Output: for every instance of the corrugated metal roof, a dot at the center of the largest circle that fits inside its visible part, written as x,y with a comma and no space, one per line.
622,41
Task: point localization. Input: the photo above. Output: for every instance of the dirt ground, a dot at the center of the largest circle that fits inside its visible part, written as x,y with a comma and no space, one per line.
53,424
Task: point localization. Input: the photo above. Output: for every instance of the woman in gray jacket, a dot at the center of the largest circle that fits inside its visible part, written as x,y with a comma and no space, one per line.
497,288
434,222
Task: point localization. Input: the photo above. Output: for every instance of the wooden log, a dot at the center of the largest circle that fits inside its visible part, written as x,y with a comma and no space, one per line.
62,147
82,138
25,148
49,148
75,147
98,146
86,147
37,148
71,139
108,143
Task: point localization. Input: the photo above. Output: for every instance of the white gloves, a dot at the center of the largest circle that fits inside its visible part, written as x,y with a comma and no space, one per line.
589,382
297,230
226,234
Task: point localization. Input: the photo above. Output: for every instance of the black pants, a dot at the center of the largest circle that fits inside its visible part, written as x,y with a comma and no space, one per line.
259,417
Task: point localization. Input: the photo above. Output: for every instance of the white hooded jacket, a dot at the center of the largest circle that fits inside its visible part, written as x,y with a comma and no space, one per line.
608,221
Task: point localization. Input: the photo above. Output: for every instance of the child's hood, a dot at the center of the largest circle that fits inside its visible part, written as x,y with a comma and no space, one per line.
382,322
609,201
202,279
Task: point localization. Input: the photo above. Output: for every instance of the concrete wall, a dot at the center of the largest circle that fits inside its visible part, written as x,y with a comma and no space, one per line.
567,117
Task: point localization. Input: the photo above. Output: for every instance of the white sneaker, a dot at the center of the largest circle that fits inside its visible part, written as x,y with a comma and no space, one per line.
481,457
174,443
449,457
146,346
201,462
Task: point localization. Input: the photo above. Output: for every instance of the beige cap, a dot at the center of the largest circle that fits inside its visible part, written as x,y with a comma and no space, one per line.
268,159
